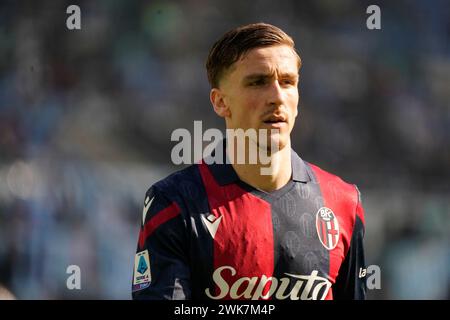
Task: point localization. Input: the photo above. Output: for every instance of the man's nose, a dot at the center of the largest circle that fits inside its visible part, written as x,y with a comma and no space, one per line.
275,94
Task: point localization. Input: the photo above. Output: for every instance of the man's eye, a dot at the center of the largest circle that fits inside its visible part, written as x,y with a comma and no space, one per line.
288,82
258,82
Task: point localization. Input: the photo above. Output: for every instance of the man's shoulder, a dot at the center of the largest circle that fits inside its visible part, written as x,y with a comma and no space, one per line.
183,181
333,182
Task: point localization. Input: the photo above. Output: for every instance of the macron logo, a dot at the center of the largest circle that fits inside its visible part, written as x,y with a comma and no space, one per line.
212,223
147,205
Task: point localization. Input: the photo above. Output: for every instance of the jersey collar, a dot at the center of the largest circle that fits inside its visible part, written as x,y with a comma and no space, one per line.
224,173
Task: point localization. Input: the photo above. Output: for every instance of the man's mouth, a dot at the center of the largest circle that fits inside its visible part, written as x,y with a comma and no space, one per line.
275,120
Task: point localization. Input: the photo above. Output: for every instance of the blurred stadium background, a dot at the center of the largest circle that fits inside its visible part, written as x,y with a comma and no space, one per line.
86,118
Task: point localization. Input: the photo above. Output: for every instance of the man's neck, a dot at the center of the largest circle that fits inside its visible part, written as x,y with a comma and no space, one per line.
274,178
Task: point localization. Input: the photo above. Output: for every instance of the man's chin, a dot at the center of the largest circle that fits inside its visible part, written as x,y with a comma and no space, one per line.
274,143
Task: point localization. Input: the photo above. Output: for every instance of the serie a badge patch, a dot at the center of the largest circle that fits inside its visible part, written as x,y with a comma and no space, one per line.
327,228
142,275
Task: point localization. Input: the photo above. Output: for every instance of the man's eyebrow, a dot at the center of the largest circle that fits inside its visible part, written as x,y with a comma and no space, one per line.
255,76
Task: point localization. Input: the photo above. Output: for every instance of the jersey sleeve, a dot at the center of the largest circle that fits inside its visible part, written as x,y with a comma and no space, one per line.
351,280
161,267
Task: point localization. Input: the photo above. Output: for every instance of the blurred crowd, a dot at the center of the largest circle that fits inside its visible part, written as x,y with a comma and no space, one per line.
86,118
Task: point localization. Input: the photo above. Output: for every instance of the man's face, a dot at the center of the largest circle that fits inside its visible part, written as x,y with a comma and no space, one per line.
260,91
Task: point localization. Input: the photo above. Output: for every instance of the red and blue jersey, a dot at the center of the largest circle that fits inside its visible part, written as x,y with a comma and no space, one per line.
205,234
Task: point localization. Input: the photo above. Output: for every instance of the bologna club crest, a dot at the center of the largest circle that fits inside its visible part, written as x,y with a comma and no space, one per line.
327,228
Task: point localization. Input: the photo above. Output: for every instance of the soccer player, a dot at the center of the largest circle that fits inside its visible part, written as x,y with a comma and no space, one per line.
225,230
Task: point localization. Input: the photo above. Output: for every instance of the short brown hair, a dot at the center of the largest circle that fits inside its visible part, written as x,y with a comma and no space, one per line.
237,42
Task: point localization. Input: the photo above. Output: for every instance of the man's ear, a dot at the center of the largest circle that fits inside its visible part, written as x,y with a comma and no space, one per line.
217,99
